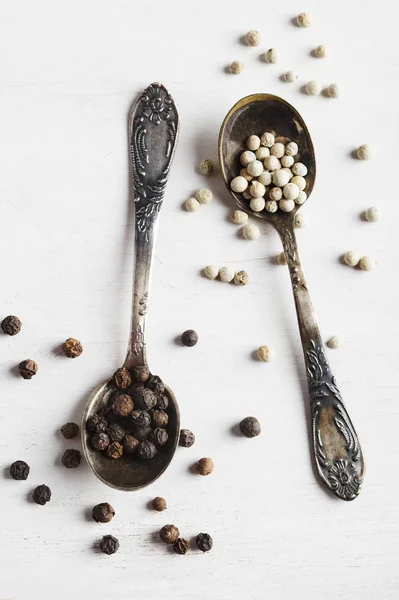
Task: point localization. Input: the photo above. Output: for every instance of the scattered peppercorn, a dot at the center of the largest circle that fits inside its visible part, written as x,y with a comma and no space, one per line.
187,438
169,534
116,432
72,348
159,436
162,402
130,444
42,494
159,504
207,166
159,418
28,368
142,433
122,406
115,450
11,325
146,450
140,418
141,374
71,458
181,546
204,466
103,513
19,470
241,278
144,398
334,342
97,423
204,542
122,378
189,338
109,544
100,441
70,430
250,427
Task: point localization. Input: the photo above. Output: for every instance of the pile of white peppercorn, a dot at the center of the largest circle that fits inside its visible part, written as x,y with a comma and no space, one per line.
271,178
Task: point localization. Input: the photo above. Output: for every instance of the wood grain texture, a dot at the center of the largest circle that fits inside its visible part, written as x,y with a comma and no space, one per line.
69,71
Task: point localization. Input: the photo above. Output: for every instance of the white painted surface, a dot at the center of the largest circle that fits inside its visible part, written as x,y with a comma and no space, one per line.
68,72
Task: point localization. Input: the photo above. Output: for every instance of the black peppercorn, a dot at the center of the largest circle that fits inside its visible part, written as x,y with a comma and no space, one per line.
159,436
159,418
100,441
19,470
189,338
70,430
72,348
204,466
250,427
130,444
103,513
159,504
144,398
169,534
204,542
187,438
122,406
116,432
156,385
114,450
142,433
146,450
181,546
109,544
97,423
71,458
28,368
141,374
11,325
122,378
140,418
162,402
42,494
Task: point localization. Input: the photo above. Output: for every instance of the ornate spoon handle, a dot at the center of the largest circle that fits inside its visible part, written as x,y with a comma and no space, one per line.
337,450
153,131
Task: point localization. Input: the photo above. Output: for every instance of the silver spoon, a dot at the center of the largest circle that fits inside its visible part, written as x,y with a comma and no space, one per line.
337,452
153,132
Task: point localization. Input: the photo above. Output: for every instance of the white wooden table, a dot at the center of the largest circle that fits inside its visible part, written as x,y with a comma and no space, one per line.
68,72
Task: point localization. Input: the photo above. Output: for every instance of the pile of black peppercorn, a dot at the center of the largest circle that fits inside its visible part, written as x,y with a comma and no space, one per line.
135,420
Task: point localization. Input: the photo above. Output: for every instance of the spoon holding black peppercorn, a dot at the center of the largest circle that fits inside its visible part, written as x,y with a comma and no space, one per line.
336,448
142,456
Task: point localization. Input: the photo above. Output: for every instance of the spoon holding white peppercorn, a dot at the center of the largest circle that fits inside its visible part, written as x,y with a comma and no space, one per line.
135,461
337,452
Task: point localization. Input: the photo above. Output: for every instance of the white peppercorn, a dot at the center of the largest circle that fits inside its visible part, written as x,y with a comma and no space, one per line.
265,353
290,76
372,214
351,258
253,142
364,152
255,168
265,178
291,191
192,204
333,90
226,274
301,197
281,259
303,19
271,206
240,217
250,232
207,166
246,157
272,163
204,196
299,181
286,205
313,88
299,169
241,278
236,67
280,178
211,271
247,195
271,56
244,173
334,342
257,190
321,51
278,150
252,38
287,161
238,184
276,194
300,220
267,139
288,171
366,263
262,153
257,204
291,149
